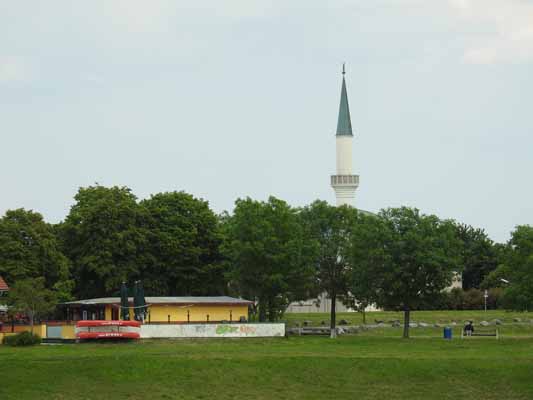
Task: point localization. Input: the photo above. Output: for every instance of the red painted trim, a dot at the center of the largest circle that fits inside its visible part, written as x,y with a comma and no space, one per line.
108,335
93,323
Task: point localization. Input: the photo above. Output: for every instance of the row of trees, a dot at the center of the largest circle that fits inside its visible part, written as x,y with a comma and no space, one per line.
268,252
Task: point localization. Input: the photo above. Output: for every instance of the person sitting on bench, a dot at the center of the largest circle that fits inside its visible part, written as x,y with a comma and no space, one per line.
469,329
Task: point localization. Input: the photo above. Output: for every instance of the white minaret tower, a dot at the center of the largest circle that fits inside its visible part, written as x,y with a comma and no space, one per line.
344,183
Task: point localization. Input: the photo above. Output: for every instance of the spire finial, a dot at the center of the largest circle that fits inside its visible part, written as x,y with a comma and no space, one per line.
343,69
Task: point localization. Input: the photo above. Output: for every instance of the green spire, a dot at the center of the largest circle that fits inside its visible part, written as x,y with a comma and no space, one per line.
344,124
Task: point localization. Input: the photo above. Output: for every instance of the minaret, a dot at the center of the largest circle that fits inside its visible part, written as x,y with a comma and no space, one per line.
344,183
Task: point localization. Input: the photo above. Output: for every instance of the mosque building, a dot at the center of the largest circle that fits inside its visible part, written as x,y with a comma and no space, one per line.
344,183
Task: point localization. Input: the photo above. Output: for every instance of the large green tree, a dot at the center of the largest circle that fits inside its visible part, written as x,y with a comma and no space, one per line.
269,255
29,249
421,254
105,237
331,227
479,255
184,242
366,256
519,294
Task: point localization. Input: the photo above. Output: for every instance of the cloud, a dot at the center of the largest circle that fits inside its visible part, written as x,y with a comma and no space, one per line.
13,69
503,30
161,15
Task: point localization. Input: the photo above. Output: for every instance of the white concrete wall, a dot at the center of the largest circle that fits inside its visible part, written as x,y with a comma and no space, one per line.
344,155
211,330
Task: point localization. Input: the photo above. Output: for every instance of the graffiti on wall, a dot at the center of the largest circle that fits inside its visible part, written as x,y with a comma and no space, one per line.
225,329
212,330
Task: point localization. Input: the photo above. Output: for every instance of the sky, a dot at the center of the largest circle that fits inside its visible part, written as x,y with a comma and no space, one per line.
234,98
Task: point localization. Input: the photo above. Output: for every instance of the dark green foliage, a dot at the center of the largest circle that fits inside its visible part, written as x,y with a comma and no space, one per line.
332,228
494,278
479,255
30,297
22,339
366,256
29,249
472,299
417,258
105,237
184,242
455,299
519,294
269,256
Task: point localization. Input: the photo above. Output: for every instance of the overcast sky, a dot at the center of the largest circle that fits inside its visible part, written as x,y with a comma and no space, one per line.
234,98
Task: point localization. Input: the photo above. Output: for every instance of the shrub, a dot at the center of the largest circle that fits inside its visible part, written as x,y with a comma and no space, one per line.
474,299
22,339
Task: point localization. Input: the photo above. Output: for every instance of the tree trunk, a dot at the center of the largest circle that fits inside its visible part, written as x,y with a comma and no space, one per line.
272,316
406,321
262,310
364,316
31,322
332,325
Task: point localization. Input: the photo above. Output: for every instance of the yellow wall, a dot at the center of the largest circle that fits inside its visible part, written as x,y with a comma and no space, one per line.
38,329
197,313
68,332
108,313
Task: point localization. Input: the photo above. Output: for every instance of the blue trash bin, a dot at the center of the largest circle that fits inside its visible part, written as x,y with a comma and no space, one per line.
447,332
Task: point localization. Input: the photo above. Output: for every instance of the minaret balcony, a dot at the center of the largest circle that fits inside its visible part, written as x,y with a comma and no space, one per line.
344,180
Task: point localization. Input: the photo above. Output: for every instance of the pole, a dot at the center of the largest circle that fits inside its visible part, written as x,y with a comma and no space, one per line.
485,296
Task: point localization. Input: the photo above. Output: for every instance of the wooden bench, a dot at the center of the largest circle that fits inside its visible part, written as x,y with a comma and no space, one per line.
485,333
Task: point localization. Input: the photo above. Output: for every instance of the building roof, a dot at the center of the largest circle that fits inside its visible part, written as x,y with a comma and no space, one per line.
344,123
3,285
191,300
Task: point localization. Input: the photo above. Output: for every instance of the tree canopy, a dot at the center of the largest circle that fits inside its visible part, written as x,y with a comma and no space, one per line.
519,294
366,256
479,255
32,298
420,254
29,249
270,258
331,228
105,237
184,237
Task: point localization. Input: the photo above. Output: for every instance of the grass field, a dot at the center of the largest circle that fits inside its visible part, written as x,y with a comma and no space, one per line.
362,366
443,317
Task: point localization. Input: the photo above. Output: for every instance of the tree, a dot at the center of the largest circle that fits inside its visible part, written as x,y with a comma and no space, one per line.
331,228
479,255
269,256
105,237
497,278
366,253
29,249
31,298
420,255
519,294
184,241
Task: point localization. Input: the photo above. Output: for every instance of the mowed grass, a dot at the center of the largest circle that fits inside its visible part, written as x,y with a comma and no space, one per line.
430,317
360,366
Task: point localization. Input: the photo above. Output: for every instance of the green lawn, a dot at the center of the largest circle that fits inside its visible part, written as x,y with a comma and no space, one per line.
361,366
424,316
